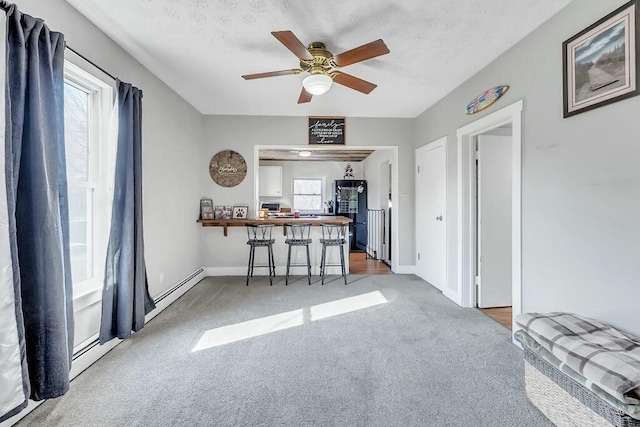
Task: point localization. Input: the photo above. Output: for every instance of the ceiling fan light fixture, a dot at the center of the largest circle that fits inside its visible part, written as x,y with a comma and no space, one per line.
317,84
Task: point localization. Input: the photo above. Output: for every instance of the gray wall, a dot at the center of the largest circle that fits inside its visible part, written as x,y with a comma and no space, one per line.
241,133
172,144
581,180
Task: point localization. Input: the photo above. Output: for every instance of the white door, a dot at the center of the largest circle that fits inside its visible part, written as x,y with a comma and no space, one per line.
494,221
431,192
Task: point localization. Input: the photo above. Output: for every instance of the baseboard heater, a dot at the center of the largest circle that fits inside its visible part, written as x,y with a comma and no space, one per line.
162,296
179,285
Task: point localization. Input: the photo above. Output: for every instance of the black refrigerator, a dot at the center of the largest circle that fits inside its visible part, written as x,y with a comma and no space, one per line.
350,200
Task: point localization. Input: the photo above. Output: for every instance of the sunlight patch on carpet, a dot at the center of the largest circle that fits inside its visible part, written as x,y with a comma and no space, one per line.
266,325
252,328
347,305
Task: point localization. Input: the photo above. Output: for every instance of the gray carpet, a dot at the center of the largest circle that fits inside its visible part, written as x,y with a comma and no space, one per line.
417,360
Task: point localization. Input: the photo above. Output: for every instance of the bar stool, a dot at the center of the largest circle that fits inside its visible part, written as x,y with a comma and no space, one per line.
260,237
332,235
298,235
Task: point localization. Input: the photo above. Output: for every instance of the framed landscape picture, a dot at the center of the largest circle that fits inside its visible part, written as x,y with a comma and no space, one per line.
600,63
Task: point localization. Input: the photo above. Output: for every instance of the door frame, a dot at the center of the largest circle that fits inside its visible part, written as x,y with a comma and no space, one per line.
440,142
395,196
466,203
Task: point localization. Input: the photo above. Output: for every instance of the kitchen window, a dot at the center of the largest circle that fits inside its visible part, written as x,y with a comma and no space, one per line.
307,194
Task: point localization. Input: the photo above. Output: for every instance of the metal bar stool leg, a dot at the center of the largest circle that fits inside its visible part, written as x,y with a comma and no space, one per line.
286,280
270,262
308,266
323,262
344,274
273,262
253,259
249,264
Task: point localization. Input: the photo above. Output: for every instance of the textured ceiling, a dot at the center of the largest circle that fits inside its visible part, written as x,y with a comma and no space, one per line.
200,48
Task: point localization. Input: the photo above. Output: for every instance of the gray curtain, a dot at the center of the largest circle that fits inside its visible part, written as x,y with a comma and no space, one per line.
37,202
125,296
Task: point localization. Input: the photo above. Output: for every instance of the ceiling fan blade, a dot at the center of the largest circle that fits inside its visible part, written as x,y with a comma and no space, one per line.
353,82
304,97
362,53
291,42
272,74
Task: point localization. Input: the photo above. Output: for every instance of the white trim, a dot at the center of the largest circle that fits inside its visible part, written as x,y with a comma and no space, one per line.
94,354
452,295
440,142
466,194
196,277
395,188
404,269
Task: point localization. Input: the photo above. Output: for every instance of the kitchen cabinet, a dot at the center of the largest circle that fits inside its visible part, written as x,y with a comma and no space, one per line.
270,181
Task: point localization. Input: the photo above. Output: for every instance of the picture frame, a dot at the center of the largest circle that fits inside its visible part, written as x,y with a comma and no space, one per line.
223,212
240,212
327,130
206,209
601,63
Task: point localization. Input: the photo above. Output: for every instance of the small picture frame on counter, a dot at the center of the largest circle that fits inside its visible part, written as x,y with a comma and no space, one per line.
223,212
240,212
206,209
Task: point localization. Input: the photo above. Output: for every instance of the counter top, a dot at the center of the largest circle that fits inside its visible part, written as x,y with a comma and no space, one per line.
316,221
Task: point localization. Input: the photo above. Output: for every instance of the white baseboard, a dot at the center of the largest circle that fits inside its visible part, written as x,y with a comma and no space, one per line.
405,269
230,271
95,351
180,288
452,295
280,270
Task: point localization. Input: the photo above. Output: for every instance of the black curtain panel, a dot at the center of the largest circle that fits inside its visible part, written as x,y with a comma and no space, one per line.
125,296
36,184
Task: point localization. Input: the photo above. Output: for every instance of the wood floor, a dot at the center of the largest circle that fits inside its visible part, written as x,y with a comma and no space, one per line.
501,315
359,264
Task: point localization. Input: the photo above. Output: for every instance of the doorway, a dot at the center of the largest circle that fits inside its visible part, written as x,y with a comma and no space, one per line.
389,153
385,204
376,259
467,213
493,223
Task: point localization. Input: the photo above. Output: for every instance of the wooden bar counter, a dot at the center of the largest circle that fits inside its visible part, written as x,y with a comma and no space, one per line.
235,245
315,220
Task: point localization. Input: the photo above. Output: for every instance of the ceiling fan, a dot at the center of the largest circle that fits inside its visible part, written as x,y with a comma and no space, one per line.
323,66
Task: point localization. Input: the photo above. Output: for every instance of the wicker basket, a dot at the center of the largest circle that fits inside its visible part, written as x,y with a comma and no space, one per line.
566,402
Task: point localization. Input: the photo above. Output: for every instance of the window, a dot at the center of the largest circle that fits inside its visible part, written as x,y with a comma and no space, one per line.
81,188
87,112
307,194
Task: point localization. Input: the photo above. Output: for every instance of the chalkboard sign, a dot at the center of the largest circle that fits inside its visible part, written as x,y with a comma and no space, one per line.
326,130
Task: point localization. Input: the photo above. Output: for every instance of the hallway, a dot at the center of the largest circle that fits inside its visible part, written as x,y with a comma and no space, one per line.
359,264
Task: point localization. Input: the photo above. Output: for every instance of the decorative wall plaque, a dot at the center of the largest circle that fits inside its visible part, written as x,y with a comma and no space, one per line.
326,130
228,168
487,99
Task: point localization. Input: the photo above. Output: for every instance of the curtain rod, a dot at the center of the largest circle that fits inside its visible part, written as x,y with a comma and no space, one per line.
4,5
90,61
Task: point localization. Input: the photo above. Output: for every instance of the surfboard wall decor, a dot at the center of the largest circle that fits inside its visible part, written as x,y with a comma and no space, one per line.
486,100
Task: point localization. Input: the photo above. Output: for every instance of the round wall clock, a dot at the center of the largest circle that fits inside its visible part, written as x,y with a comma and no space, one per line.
228,168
